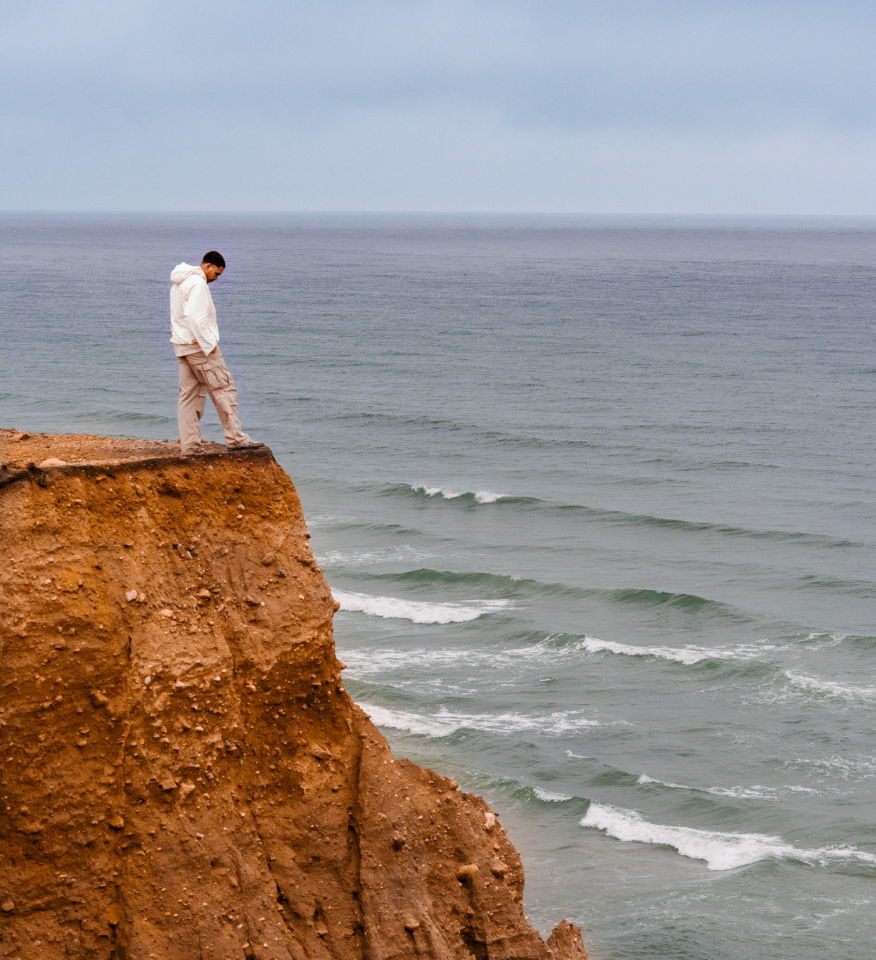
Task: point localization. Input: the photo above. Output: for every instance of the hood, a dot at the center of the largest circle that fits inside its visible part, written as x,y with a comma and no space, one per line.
183,271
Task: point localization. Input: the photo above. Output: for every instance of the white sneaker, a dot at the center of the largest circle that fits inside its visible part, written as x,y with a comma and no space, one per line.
252,445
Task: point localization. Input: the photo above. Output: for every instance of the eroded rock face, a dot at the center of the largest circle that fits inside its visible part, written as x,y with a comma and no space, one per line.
182,774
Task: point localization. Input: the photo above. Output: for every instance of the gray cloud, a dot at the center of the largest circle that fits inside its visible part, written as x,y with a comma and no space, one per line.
439,105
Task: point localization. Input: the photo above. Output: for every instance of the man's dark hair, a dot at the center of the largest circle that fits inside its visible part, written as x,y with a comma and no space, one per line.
214,257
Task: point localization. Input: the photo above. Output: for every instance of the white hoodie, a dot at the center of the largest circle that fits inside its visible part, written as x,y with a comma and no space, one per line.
192,314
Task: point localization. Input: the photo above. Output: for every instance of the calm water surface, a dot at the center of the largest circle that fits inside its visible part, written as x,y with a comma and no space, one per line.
597,499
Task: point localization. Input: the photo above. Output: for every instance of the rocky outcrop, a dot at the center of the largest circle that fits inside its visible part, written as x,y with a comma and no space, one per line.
182,774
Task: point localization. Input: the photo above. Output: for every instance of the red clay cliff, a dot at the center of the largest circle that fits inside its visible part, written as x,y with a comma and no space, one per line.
182,774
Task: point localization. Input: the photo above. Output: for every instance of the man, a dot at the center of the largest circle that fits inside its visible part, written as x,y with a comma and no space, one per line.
202,368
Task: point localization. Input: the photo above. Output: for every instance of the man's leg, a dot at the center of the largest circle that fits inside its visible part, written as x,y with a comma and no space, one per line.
223,393
190,408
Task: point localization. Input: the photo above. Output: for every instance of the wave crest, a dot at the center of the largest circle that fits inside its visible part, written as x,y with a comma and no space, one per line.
756,792
417,611
444,723
685,655
721,851
479,496
547,796
830,688
624,518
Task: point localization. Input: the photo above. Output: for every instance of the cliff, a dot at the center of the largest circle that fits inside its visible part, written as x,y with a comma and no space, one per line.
182,774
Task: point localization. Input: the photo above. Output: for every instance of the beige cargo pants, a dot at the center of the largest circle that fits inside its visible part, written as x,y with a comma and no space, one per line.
200,375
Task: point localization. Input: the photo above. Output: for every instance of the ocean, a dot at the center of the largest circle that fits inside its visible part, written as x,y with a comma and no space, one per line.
597,499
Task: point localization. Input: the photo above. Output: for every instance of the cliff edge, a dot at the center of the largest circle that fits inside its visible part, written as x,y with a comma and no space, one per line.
182,774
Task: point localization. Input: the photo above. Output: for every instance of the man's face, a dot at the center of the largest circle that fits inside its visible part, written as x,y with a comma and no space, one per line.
211,271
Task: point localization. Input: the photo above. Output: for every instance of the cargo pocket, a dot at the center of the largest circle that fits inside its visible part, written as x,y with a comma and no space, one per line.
217,377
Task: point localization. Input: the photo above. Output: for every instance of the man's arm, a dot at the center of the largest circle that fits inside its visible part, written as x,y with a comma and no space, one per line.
197,314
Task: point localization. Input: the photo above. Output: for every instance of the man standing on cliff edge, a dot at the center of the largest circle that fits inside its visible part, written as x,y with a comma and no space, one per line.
202,370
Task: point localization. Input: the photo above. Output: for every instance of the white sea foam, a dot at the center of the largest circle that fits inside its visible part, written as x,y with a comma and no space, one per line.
577,756
370,662
367,558
832,639
409,722
418,611
373,661
443,723
364,663
845,768
830,688
663,783
438,492
481,496
756,792
686,655
721,851
320,519
550,797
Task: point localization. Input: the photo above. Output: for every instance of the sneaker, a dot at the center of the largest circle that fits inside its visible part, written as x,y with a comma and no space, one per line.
197,450
252,445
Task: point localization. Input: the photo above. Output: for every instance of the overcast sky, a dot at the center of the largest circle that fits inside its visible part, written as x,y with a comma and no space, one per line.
591,106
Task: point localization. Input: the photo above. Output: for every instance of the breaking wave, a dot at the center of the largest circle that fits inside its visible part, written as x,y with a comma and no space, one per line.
549,650
444,493
620,517
549,797
418,611
444,723
830,688
499,584
720,850
755,792
686,655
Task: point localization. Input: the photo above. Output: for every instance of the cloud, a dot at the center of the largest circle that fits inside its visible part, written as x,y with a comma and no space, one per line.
592,106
